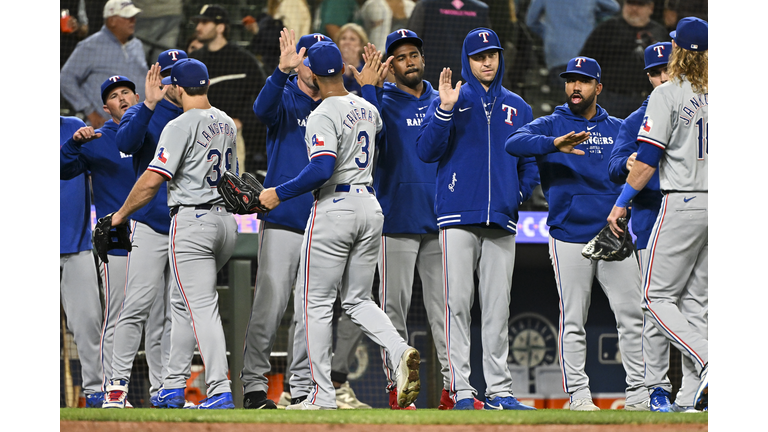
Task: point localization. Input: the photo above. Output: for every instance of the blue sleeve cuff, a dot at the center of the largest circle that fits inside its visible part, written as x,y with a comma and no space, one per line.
314,175
649,154
626,195
443,114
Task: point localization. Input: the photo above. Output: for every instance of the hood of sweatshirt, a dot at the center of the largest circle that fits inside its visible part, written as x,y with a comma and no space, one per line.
469,78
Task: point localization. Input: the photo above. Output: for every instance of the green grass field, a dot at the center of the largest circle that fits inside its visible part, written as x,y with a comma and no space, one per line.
382,416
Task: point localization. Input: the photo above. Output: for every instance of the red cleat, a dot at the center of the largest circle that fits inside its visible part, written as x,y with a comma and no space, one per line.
393,402
446,403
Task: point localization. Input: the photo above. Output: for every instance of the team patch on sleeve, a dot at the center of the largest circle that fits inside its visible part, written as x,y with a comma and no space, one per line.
317,141
647,124
163,155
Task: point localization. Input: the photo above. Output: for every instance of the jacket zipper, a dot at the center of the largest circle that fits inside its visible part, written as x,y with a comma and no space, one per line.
488,118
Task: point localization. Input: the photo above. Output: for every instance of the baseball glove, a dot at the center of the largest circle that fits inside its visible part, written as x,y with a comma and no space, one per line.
106,237
607,247
241,195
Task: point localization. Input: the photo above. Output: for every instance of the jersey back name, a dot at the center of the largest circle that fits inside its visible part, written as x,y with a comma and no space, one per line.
677,121
193,152
345,127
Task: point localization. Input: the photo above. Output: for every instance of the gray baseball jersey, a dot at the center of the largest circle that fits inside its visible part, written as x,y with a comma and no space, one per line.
342,238
677,121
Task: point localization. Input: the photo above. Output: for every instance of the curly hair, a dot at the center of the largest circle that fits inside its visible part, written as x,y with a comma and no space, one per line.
690,65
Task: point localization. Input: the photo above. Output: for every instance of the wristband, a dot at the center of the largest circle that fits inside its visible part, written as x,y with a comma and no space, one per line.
626,195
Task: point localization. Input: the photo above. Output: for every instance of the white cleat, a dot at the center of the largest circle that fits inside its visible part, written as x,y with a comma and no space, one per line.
585,404
407,378
306,406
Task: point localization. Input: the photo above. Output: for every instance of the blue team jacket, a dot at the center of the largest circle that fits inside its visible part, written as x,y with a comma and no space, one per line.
74,200
138,134
577,188
111,170
284,109
478,182
400,176
645,206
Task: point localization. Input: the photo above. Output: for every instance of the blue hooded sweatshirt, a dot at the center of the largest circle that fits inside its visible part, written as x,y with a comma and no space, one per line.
478,182
577,188
111,170
74,200
646,204
137,135
283,107
400,176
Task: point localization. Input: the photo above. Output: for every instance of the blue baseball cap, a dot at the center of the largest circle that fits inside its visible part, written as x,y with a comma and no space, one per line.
691,34
307,41
324,59
583,66
169,57
401,36
481,39
657,54
115,81
187,73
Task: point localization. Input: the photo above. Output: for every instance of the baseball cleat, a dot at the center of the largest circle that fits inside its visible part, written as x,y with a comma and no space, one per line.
346,398
393,402
117,390
683,409
284,401
407,378
306,406
168,398
217,401
258,400
640,406
660,400
465,404
506,403
95,400
446,403
585,404
701,393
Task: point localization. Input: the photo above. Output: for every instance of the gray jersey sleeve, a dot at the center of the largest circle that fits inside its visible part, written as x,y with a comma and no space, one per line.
321,136
170,150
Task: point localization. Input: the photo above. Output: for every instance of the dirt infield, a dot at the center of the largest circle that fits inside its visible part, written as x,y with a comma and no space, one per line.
91,426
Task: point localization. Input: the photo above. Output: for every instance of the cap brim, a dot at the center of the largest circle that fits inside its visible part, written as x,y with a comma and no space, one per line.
563,74
166,81
129,12
653,65
413,40
673,33
485,49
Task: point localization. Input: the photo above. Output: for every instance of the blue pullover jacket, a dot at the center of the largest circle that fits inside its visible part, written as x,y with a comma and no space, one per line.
138,134
400,176
283,107
646,204
577,188
477,181
74,200
111,170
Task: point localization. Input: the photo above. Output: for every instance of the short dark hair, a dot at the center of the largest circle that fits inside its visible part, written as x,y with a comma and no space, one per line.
196,91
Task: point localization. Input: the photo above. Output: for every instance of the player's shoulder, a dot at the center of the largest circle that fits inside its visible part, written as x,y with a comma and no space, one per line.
71,121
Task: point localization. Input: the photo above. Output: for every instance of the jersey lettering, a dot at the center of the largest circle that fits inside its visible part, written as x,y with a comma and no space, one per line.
688,112
357,114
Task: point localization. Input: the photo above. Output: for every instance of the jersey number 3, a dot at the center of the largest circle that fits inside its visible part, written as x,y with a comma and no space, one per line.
215,156
364,141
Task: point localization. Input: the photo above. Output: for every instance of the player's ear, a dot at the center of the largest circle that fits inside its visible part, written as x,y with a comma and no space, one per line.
106,109
137,97
598,88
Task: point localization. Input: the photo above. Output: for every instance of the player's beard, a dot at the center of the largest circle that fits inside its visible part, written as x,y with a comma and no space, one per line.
412,80
581,107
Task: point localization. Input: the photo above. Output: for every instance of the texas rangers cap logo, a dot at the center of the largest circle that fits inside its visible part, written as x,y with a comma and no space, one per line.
484,35
659,50
579,61
403,32
173,55
319,37
114,78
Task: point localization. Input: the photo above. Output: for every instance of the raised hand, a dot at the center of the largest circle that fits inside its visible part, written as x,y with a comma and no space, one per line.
448,95
567,142
289,58
371,72
85,134
153,87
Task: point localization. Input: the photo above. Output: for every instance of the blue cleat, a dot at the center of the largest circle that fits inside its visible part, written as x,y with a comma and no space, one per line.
168,398
506,403
94,400
465,404
218,401
660,400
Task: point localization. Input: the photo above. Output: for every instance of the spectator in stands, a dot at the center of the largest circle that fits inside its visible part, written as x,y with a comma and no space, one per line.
193,43
618,44
159,25
564,26
442,25
74,27
351,39
377,21
110,51
335,13
401,12
675,10
236,79
291,14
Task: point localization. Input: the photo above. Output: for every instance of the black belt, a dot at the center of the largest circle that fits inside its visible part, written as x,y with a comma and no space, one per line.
347,188
175,209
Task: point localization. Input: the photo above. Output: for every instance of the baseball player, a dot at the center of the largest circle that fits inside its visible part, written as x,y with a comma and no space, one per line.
645,207
479,188
79,281
192,153
576,189
343,232
111,178
151,298
674,138
409,237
